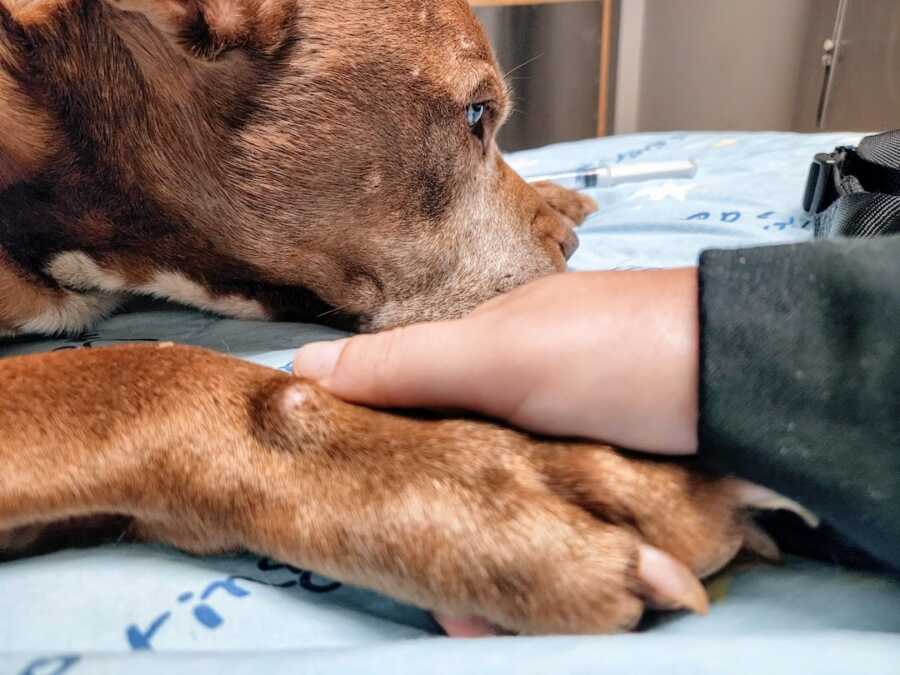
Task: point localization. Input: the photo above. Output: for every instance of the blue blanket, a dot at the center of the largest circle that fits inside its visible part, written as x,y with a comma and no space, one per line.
147,609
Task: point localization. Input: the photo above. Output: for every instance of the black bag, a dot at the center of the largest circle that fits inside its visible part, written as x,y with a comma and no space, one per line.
855,191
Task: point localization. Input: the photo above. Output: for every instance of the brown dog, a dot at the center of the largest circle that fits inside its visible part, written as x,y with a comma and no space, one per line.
309,160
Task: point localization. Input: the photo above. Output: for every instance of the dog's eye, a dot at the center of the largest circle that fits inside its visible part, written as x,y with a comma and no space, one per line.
474,113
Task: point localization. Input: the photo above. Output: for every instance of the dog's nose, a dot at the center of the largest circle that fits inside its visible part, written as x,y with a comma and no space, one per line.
569,243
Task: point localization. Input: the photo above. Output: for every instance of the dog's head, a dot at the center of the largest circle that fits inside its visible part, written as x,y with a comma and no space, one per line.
347,148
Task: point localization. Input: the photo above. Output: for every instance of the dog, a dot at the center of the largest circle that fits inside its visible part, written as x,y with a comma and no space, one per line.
304,160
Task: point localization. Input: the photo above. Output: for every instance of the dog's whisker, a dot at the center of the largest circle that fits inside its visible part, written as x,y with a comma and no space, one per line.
523,64
328,312
122,536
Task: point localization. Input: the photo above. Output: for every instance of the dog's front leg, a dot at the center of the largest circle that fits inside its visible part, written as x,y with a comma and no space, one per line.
188,444
210,454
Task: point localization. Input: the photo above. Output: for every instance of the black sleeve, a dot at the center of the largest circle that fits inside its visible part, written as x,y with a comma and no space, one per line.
800,379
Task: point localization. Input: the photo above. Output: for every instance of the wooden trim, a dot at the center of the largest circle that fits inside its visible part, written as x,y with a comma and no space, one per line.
626,97
502,3
605,64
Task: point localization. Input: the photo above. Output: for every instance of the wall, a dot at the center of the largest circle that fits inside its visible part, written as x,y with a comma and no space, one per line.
551,53
709,64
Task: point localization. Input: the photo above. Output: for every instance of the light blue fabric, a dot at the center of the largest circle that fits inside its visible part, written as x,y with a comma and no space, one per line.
147,609
747,191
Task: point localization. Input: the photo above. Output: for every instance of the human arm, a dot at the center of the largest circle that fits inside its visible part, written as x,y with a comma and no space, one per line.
785,361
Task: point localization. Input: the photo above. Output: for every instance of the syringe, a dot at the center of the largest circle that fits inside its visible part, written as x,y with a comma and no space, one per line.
605,175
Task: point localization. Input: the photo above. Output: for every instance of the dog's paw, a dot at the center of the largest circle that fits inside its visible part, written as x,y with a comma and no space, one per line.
468,519
593,537
573,205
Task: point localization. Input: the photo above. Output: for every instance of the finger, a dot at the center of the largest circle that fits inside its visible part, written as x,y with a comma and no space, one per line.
423,365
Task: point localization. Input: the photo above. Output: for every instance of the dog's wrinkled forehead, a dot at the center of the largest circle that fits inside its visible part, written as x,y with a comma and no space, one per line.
439,43
377,91
461,52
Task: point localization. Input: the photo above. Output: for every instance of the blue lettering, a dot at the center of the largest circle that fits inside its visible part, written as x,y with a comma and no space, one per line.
306,581
228,585
138,640
53,665
731,216
208,616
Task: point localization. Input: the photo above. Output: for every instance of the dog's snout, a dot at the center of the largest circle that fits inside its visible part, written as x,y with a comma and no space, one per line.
569,243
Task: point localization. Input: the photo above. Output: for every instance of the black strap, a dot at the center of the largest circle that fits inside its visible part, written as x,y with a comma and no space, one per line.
855,192
883,149
860,215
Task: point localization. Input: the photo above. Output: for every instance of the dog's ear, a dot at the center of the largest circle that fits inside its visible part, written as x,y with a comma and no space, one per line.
205,28
209,28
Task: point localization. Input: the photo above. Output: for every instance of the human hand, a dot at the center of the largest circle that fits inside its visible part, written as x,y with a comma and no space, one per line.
611,356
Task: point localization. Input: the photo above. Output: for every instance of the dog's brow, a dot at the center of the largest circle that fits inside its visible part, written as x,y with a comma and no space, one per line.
487,89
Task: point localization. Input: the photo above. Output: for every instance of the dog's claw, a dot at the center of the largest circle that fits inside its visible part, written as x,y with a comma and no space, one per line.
763,499
467,627
668,583
758,541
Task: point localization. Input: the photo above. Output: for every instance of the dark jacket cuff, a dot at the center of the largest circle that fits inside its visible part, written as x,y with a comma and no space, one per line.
800,378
